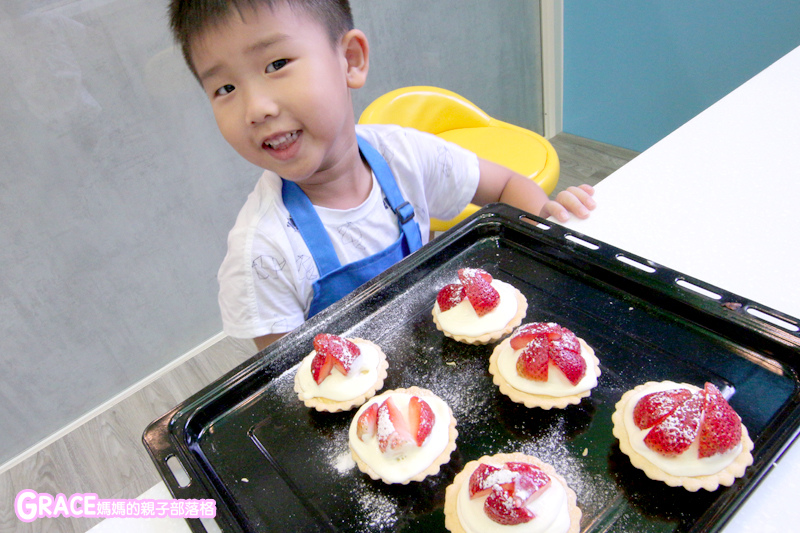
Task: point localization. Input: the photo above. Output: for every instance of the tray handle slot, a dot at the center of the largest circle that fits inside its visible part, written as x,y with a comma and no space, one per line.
538,224
582,242
697,289
636,264
772,319
179,473
210,525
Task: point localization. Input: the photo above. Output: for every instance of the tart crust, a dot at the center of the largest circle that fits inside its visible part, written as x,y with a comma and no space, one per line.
436,464
334,406
492,336
451,521
725,477
537,400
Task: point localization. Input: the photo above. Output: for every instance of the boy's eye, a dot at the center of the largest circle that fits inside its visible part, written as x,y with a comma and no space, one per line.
277,65
225,89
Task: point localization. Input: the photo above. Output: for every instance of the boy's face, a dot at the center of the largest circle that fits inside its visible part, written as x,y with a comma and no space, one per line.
279,91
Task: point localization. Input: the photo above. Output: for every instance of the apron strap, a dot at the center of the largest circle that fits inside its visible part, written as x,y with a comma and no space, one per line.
310,226
401,208
307,220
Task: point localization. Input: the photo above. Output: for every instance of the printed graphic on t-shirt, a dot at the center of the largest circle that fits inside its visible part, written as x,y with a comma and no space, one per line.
290,224
280,325
351,235
305,268
267,265
445,162
386,152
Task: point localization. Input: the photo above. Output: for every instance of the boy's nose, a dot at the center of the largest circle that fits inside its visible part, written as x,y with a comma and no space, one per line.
260,106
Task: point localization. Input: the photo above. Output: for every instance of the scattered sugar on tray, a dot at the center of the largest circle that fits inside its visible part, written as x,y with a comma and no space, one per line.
401,309
379,510
337,453
344,462
461,390
284,384
593,490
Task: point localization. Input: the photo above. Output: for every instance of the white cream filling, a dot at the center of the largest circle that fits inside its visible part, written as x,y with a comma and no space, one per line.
551,510
337,387
686,464
462,319
557,384
400,468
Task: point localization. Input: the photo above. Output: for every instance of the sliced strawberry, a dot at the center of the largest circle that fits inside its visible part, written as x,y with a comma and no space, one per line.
486,476
531,482
321,366
564,341
450,296
367,423
468,275
502,507
341,350
654,407
534,361
561,345
570,363
482,296
420,419
721,429
393,435
524,334
478,289
676,432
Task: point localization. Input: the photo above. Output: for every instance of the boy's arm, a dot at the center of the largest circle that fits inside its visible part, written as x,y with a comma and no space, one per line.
499,184
265,340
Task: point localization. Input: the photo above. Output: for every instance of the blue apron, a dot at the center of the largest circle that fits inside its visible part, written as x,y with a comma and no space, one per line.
335,280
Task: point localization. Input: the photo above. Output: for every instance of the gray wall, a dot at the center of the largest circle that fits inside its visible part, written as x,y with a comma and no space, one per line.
489,52
117,191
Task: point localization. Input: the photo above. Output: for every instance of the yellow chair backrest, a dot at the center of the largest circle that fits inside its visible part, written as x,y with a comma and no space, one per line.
456,119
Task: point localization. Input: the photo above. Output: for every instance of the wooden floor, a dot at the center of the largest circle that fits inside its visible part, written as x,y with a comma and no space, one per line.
586,161
105,455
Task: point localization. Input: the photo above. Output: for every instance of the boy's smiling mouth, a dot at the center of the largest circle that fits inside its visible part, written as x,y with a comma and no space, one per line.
282,141
283,146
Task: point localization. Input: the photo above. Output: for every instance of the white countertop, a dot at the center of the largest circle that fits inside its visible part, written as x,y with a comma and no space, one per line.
718,200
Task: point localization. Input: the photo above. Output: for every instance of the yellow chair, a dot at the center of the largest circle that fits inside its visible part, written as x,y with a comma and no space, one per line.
456,119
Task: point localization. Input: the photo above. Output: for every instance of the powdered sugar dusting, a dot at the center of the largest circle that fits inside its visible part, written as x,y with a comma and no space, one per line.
344,462
379,510
594,490
500,477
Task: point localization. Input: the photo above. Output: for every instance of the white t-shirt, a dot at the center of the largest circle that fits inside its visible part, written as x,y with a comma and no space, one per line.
267,275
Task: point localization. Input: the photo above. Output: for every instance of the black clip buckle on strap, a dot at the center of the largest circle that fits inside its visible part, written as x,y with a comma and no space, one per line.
404,212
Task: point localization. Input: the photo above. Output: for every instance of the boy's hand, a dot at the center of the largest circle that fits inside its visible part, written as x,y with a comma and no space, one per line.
574,200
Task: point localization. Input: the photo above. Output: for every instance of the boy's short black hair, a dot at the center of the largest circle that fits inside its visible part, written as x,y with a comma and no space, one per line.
189,18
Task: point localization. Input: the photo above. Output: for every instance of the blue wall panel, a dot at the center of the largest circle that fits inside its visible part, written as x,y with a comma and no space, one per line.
635,71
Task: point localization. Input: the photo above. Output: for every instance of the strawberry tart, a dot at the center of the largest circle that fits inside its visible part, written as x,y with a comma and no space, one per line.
682,435
544,365
478,309
510,492
340,373
403,435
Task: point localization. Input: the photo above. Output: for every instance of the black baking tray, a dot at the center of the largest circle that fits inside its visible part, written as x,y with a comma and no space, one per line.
272,464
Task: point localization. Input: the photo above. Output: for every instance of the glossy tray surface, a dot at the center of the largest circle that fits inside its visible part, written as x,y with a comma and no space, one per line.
274,465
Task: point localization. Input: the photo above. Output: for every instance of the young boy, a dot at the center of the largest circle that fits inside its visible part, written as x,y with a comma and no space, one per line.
278,74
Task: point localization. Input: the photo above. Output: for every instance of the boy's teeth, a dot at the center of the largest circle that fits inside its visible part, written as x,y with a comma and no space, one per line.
283,139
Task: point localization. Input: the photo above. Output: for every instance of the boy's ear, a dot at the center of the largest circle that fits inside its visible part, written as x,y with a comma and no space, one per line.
356,53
